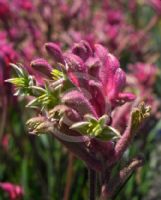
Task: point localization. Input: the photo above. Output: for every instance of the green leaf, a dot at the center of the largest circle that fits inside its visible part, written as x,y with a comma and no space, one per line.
96,128
56,74
22,82
80,127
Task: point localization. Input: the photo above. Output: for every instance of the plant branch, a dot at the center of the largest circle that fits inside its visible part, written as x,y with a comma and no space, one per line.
110,189
69,176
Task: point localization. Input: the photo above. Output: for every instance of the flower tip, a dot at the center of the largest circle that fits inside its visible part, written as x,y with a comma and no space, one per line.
55,51
39,62
41,65
127,96
11,64
130,96
52,47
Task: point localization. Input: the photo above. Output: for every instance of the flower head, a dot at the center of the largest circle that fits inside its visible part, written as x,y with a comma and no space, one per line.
77,99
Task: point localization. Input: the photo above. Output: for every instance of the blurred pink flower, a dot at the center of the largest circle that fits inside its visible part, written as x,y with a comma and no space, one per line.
25,5
156,5
144,73
4,9
114,16
15,192
5,141
7,55
132,5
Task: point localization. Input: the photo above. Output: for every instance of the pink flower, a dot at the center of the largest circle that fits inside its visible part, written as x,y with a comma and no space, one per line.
156,5
93,68
144,73
142,79
114,16
25,5
79,98
15,192
132,5
7,55
4,9
5,142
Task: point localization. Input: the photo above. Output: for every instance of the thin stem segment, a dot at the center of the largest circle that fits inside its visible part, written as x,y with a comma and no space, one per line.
92,184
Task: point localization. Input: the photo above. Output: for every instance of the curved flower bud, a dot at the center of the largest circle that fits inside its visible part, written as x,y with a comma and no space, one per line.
76,69
138,115
74,63
101,52
77,101
39,125
55,51
82,49
117,84
42,66
64,114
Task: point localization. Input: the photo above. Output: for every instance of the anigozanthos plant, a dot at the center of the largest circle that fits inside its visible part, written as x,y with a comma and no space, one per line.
76,99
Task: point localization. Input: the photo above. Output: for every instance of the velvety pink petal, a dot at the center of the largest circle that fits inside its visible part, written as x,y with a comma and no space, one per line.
42,66
82,49
126,96
101,52
116,84
76,69
98,98
74,62
79,102
55,51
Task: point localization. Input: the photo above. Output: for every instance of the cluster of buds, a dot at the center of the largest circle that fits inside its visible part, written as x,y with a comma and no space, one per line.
76,101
